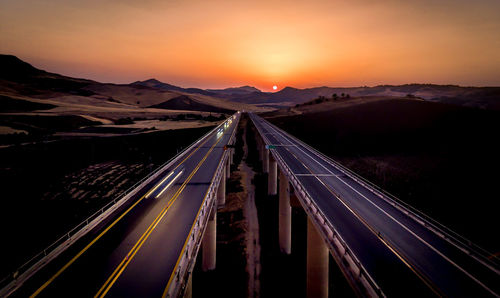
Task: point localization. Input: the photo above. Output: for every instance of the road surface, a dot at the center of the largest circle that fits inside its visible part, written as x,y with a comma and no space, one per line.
135,251
404,257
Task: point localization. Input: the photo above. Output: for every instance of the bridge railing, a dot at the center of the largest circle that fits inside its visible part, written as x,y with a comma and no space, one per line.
482,255
347,260
186,262
38,261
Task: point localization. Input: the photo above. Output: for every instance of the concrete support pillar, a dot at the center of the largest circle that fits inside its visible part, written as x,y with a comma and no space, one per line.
265,159
272,177
221,191
262,149
285,216
228,167
231,153
188,293
317,263
209,243
259,148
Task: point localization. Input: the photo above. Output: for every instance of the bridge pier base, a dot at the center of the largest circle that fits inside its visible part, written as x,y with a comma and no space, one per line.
285,216
209,244
317,263
273,175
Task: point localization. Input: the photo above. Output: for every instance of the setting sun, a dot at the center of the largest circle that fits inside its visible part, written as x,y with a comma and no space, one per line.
275,87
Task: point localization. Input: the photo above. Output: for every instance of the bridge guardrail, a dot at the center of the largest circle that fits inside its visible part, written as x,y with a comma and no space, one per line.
38,261
339,248
195,237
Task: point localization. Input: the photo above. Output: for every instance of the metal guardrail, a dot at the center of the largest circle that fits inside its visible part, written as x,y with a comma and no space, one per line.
350,264
195,237
428,222
11,282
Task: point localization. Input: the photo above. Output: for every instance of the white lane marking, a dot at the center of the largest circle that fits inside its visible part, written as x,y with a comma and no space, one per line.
402,209
313,174
158,185
399,223
170,183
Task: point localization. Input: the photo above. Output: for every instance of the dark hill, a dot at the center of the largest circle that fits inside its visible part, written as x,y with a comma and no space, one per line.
28,80
480,97
13,68
243,90
184,102
154,83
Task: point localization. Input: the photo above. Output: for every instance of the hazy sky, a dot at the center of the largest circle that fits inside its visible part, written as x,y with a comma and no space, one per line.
261,43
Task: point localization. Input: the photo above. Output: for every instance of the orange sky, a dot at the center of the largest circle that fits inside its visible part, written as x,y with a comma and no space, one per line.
213,44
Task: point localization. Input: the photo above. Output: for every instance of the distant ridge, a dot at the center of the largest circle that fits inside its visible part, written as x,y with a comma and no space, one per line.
481,97
15,68
184,102
235,90
29,80
154,83
19,79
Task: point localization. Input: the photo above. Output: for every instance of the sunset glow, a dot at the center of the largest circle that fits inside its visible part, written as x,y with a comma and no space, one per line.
213,44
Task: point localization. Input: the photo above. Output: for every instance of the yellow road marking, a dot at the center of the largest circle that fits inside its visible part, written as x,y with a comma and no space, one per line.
183,248
128,258
48,282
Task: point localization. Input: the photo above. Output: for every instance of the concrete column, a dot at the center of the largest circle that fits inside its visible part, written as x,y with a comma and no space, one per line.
285,216
272,177
259,148
265,159
209,243
188,293
262,150
317,263
228,167
221,190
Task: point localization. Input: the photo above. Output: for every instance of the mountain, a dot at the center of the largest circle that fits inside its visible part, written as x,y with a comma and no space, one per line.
21,81
184,102
14,68
243,90
154,83
481,97
226,93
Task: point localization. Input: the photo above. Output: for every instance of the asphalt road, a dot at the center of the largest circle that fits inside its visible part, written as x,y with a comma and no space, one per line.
135,251
403,256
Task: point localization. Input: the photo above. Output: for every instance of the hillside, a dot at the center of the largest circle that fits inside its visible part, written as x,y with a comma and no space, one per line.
481,97
184,102
20,80
36,104
228,93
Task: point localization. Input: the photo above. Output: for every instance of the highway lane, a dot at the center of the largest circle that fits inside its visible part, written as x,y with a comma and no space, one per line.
383,238
137,248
